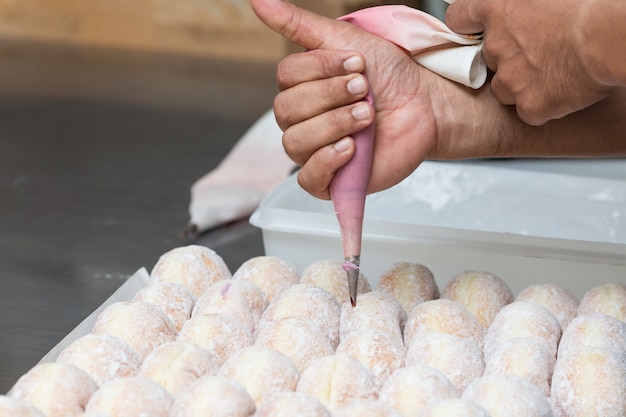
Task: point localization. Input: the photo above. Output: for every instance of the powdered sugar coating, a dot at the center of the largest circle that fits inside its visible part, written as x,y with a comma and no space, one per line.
177,364
298,338
55,389
381,352
459,359
135,396
194,266
410,283
482,293
593,330
309,302
142,325
15,407
444,316
236,298
262,372
609,299
367,408
411,388
457,407
558,300
375,310
270,273
590,382
103,356
215,396
337,380
505,395
221,335
289,404
522,319
330,275
527,358
175,300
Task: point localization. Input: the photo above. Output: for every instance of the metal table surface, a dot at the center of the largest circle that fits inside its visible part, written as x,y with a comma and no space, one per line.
98,150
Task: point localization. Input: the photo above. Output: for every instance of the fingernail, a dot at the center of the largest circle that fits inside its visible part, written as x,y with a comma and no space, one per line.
353,64
356,85
361,111
342,145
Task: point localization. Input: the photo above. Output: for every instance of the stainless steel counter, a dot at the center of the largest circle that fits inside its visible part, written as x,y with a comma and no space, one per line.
98,150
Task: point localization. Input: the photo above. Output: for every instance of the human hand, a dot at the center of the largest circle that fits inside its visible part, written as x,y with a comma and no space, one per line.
318,112
536,49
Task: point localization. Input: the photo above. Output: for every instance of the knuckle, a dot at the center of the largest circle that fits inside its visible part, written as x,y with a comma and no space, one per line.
291,147
310,183
284,77
281,112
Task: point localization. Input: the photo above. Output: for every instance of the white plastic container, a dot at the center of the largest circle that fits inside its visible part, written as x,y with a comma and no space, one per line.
523,224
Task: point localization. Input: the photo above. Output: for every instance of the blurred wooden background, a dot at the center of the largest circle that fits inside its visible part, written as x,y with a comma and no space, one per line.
217,28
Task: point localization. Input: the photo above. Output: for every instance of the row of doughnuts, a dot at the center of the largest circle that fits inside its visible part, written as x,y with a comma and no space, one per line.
266,340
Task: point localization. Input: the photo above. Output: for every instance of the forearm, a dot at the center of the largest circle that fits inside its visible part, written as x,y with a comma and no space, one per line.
483,128
601,39
597,131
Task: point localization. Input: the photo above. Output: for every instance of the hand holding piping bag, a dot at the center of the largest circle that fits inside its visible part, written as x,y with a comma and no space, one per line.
311,31
413,31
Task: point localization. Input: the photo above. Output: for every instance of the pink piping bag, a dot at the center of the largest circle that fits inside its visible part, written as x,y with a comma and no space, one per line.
348,190
458,58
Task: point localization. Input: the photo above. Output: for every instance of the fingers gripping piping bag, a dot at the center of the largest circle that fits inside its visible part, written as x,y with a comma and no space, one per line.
457,58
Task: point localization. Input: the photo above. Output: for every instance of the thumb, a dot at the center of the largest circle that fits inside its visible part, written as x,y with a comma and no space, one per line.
305,28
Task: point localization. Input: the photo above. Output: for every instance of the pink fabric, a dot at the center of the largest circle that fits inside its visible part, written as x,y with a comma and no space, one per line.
408,28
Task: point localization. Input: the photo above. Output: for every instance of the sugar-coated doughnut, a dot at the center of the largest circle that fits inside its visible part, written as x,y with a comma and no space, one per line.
175,365
590,382
609,299
221,335
453,407
144,326
56,389
330,275
558,300
194,266
15,407
593,330
103,356
261,371
176,300
380,351
128,397
505,395
528,358
309,302
337,380
444,316
482,293
298,338
236,298
215,396
270,273
367,408
289,404
375,310
410,283
459,359
523,319
411,388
